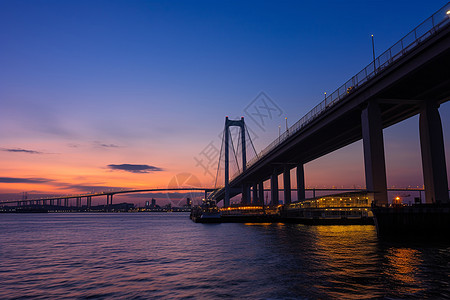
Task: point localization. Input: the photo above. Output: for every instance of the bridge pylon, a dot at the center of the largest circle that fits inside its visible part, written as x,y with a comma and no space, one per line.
228,123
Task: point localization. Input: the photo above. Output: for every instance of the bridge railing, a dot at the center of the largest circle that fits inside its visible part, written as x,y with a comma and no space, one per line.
418,35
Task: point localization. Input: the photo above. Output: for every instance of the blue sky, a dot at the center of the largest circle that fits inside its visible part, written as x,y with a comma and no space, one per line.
88,84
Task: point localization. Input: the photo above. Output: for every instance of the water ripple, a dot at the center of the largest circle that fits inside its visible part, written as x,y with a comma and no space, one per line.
142,256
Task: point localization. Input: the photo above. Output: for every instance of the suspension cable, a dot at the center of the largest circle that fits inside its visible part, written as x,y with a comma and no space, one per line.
251,142
234,152
220,157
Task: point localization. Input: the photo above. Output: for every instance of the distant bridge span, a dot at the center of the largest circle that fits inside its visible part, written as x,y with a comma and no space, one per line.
108,194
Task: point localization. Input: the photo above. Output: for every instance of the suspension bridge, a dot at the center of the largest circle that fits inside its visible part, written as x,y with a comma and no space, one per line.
410,78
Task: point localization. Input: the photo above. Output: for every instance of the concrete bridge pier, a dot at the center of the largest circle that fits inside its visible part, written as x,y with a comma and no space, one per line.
287,184
245,193
374,162
261,192
301,195
89,201
78,201
433,154
66,202
109,199
274,188
255,199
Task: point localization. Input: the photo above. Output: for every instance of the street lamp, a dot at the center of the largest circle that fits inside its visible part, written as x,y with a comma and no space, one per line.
373,53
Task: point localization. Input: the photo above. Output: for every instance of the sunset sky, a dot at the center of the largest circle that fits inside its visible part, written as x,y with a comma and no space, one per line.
130,94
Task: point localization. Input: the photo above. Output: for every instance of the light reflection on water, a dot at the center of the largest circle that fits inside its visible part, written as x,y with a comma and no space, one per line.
141,256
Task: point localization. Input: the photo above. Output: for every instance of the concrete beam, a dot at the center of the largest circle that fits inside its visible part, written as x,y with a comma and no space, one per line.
400,101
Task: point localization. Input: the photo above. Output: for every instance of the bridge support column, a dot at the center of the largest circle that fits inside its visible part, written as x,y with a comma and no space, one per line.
433,154
66,202
287,185
245,194
261,192
89,201
78,201
109,199
226,200
274,189
374,162
300,182
255,194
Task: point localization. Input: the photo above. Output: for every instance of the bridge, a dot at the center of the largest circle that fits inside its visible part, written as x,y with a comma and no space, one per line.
87,197
411,77
64,200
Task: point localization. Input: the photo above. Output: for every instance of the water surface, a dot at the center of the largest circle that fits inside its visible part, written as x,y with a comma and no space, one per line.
165,255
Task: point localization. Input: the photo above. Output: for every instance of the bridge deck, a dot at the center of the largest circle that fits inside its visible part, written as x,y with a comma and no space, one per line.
403,79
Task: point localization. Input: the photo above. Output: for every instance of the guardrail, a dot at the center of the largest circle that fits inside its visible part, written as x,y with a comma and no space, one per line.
418,35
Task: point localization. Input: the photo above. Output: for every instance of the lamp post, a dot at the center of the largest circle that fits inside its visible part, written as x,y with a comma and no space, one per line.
373,54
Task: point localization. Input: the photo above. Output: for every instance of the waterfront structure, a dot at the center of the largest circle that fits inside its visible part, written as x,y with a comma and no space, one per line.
343,208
